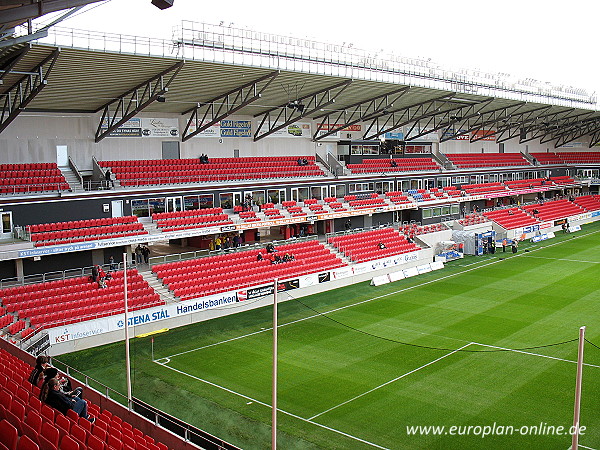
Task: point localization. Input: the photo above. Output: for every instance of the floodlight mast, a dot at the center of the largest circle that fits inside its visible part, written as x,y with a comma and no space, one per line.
127,356
274,386
575,438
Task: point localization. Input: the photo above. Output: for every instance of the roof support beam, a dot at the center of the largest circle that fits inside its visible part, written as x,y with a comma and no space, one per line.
291,112
504,123
215,110
595,138
397,118
566,126
478,120
358,112
20,94
512,126
546,125
120,110
39,8
10,60
577,131
442,120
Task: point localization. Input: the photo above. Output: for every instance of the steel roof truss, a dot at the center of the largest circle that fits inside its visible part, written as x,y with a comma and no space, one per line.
565,127
448,117
217,109
478,120
20,94
120,110
358,112
595,138
514,124
548,124
10,60
311,103
408,114
577,131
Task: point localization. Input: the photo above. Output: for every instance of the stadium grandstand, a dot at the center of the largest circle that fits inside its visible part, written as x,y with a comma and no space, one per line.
196,187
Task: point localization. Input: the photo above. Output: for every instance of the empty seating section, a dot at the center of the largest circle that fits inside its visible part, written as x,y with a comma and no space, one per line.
467,160
589,202
28,424
472,219
367,203
194,218
547,158
174,171
365,245
411,230
34,177
482,188
211,275
84,230
579,157
511,218
61,302
524,184
562,180
557,209
397,197
379,165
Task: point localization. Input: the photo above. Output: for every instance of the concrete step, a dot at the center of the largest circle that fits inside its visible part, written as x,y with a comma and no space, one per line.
72,179
157,285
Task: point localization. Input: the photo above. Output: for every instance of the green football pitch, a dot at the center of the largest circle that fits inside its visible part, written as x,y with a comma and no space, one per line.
486,343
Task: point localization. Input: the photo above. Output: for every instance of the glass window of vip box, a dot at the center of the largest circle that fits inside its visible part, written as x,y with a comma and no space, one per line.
201,201
364,149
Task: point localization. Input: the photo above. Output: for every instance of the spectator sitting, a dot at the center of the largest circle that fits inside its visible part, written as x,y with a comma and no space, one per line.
535,212
271,248
37,374
94,276
52,396
259,257
382,245
276,259
287,257
510,212
393,163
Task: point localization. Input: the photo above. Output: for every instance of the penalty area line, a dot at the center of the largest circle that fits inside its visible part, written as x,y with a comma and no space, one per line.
389,382
270,407
533,354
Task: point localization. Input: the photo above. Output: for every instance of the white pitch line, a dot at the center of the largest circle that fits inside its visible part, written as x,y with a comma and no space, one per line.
583,446
279,410
534,354
383,295
389,382
564,259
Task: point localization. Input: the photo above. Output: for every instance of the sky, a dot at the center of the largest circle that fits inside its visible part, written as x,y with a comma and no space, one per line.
546,41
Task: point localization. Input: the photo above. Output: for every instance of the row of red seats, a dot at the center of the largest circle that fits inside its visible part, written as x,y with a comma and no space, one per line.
187,213
243,160
28,166
553,210
66,240
83,232
58,226
589,202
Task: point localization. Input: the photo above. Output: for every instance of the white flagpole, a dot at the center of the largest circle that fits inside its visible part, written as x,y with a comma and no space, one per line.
274,386
127,357
575,440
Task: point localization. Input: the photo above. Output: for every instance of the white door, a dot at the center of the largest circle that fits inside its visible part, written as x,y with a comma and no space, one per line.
174,204
6,231
116,207
62,156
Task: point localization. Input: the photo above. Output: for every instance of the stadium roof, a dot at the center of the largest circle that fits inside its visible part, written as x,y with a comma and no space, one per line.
48,78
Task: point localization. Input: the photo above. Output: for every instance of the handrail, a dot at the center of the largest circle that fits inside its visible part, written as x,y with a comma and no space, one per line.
75,170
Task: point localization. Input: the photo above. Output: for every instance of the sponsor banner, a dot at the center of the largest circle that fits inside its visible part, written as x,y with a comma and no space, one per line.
574,228
288,285
261,291
572,145
343,272
578,217
295,130
366,267
559,222
543,237
462,137
310,280
424,268
437,265
378,281
486,135
324,277
107,324
398,135
331,126
145,127
225,129
57,249
531,228
412,272
545,225
397,276
595,213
